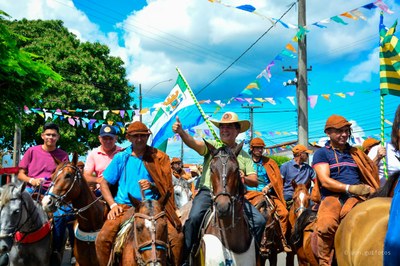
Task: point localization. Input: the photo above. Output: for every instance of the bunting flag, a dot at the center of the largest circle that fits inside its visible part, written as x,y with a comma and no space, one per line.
389,51
180,102
253,85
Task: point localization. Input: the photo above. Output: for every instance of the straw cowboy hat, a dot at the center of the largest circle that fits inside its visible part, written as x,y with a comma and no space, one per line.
231,117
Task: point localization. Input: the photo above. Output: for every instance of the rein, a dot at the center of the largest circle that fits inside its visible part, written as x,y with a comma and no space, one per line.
60,199
153,243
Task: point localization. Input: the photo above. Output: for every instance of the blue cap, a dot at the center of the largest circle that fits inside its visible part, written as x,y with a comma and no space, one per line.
107,130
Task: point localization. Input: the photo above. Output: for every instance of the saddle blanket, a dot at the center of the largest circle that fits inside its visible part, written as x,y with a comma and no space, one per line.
217,254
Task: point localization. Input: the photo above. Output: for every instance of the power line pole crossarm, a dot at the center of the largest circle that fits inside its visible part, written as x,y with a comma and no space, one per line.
251,110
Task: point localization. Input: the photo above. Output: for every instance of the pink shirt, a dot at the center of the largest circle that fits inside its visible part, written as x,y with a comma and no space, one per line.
97,160
40,163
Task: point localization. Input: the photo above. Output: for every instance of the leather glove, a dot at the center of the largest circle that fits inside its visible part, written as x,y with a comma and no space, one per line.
360,190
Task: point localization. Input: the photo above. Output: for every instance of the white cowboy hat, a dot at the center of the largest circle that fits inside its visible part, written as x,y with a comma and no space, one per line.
231,117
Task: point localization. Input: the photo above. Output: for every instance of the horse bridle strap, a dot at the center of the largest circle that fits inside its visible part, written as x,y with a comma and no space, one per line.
154,243
26,238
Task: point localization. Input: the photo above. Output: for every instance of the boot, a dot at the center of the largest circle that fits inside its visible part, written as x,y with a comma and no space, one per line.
285,246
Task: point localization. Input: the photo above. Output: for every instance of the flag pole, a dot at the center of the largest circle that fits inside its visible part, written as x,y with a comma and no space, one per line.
199,107
385,170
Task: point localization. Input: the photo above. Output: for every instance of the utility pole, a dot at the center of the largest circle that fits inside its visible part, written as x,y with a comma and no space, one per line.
301,89
301,81
251,110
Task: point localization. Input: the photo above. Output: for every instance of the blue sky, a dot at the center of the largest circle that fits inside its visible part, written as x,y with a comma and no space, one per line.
202,39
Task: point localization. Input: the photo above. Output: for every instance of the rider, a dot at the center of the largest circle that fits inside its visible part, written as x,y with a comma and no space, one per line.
345,175
35,168
148,167
99,158
229,128
270,183
378,150
179,175
296,169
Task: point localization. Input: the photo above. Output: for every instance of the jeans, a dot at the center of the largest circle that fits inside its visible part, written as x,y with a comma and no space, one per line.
201,203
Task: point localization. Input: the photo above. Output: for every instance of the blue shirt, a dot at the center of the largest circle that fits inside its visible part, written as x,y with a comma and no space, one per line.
341,165
299,173
262,177
126,171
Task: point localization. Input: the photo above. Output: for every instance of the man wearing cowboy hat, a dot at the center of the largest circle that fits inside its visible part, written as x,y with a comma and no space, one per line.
229,128
345,175
137,168
180,177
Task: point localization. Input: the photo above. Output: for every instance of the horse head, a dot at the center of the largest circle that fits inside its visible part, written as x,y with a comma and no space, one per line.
18,215
150,231
66,185
225,178
301,197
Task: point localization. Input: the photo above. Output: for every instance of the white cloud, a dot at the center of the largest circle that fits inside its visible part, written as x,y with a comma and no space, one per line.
363,71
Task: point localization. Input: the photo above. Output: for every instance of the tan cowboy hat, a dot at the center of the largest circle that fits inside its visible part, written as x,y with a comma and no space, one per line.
231,117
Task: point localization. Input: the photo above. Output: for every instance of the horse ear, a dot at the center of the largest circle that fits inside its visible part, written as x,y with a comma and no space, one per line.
134,201
22,187
294,184
57,161
163,200
238,148
308,184
75,158
210,147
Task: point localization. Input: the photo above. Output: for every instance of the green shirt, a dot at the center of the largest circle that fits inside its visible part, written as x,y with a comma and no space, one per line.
244,160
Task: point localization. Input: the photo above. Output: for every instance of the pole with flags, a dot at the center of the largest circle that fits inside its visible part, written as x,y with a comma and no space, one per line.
389,55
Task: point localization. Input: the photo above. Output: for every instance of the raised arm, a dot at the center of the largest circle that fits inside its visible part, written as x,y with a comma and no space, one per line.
197,145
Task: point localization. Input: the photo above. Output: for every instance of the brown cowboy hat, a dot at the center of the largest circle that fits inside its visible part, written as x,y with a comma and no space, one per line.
138,128
231,117
336,121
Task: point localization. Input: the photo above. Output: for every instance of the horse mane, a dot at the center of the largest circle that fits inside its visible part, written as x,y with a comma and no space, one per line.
307,217
388,187
6,193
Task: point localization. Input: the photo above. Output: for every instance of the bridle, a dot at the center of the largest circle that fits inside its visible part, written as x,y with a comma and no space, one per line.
21,224
153,244
224,158
60,199
301,208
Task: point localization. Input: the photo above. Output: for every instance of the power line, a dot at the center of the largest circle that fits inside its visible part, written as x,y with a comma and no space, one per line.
248,49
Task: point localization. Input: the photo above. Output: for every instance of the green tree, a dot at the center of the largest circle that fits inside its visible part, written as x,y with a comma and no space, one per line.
92,80
23,78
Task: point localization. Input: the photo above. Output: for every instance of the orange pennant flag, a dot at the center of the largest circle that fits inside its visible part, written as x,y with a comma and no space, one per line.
290,47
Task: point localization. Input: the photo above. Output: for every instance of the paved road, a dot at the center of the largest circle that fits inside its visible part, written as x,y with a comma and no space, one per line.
281,259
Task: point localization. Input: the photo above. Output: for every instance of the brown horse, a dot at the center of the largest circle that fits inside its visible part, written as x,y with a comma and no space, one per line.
302,219
360,237
271,239
227,239
146,234
70,187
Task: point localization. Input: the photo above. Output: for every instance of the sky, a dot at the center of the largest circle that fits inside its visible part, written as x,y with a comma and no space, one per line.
220,49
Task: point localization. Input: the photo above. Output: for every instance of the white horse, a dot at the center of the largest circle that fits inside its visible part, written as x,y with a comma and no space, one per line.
182,190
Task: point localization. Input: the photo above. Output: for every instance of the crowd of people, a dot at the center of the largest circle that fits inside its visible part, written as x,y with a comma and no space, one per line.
341,175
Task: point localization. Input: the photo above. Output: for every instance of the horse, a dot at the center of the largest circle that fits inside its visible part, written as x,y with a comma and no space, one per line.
182,190
227,239
360,237
301,220
69,186
143,239
25,231
271,240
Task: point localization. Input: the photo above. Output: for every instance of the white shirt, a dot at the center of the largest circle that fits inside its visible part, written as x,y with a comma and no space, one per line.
392,163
